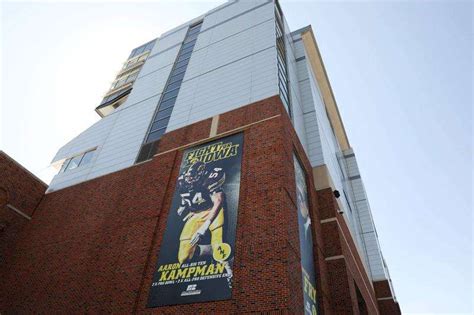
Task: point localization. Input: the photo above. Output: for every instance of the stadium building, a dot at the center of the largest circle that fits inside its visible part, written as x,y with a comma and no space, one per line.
219,179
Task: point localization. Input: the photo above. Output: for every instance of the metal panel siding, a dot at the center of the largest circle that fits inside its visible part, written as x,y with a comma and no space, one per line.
167,41
323,149
238,66
364,218
230,11
152,78
296,101
299,48
328,143
117,145
221,53
233,64
86,139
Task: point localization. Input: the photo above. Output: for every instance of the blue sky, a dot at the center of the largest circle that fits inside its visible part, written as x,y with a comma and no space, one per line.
401,73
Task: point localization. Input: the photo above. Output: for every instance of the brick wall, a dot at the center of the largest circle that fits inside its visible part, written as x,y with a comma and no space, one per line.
18,189
386,300
93,247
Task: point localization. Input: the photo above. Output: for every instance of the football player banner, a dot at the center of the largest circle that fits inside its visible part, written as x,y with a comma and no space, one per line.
197,250
306,241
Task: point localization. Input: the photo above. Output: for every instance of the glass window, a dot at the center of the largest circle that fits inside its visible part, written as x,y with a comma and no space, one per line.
164,113
191,38
64,166
168,103
192,32
74,163
177,71
283,89
195,26
182,63
155,135
86,159
170,94
140,50
186,50
177,77
280,59
194,29
150,45
120,82
132,77
279,33
190,44
281,49
281,70
159,124
184,56
173,86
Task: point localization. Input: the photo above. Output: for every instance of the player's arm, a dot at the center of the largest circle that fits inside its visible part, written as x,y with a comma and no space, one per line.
184,204
214,185
217,199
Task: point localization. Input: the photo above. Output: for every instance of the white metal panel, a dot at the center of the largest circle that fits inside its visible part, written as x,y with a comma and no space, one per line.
299,48
87,139
231,11
117,138
233,71
147,86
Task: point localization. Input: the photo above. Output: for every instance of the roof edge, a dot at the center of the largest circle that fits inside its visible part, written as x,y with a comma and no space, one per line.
320,73
3,153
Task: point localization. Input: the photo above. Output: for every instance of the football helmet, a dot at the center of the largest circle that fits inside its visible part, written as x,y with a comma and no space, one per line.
194,172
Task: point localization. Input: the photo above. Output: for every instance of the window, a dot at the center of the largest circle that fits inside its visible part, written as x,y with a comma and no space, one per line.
156,135
184,56
159,124
170,93
87,158
176,77
74,162
188,49
145,47
150,45
64,166
189,44
181,63
281,59
168,103
164,113
173,86
120,93
180,70
130,77
191,37
77,161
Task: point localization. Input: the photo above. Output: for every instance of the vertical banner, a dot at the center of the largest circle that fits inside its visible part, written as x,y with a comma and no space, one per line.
197,250
306,241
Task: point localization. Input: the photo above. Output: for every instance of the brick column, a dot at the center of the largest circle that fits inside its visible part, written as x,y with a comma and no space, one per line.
386,299
346,272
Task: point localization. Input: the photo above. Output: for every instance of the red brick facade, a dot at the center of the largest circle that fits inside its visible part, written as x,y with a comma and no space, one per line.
20,193
93,247
386,300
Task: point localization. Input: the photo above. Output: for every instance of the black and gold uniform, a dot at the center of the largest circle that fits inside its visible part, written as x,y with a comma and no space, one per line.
196,188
